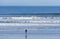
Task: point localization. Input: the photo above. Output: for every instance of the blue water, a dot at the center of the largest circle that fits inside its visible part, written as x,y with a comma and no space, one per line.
17,29
16,33
32,34
29,9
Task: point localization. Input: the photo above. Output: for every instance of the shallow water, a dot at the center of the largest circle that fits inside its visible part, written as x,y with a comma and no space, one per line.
30,36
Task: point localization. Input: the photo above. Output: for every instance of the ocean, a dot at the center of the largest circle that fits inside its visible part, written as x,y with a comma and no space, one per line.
6,32
29,9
